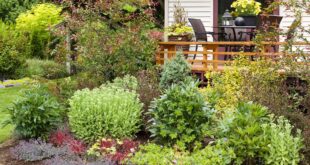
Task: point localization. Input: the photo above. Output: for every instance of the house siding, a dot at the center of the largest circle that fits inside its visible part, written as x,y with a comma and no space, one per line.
199,9
288,18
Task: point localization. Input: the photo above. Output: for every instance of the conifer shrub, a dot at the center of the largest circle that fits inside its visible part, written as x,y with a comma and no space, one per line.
175,71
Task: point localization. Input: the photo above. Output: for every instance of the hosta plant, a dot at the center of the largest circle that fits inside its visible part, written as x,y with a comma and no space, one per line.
180,115
108,111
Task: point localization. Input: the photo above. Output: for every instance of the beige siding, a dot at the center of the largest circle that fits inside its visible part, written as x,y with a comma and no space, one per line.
288,18
200,9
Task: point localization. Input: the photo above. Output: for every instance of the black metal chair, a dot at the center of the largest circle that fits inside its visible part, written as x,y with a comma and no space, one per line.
201,34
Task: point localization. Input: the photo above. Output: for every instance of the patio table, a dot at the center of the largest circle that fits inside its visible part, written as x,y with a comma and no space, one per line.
235,38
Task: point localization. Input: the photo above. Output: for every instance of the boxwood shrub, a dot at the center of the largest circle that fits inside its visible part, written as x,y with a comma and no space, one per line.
106,111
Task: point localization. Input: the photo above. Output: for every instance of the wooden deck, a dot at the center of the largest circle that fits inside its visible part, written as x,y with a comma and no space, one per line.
210,56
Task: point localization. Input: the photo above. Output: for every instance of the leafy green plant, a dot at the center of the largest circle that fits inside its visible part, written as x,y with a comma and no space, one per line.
10,9
112,54
244,132
179,116
246,7
178,29
35,24
44,68
127,82
283,147
153,154
162,155
11,60
36,114
108,111
175,71
219,153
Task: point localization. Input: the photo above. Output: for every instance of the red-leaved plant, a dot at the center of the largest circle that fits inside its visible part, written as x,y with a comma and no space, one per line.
64,138
114,150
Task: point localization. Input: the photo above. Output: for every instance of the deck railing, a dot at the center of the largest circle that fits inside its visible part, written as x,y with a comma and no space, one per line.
208,57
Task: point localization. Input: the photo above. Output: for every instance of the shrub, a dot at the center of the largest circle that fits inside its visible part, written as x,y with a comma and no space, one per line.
105,111
112,53
11,60
36,114
175,71
127,82
35,24
45,68
10,9
35,150
179,116
283,147
148,90
244,132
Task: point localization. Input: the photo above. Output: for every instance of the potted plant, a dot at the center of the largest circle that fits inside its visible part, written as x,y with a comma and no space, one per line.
179,31
246,12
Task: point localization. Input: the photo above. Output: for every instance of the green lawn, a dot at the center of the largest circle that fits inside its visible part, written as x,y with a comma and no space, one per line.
7,96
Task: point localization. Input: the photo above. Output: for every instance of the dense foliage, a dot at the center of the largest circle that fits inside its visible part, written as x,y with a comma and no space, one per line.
10,9
36,114
11,58
244,132
155,154
180,115
44,68
108,54
175,71
35,24
106,111
283,147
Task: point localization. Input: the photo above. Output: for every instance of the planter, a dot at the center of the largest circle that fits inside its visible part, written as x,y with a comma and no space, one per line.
246,21
181,38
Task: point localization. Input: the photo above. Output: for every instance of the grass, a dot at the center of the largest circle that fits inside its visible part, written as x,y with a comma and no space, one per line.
7,97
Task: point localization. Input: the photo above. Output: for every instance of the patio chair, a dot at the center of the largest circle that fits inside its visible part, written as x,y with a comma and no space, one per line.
201,34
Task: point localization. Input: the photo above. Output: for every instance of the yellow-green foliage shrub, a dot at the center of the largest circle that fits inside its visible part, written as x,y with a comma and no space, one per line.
245,81
35,24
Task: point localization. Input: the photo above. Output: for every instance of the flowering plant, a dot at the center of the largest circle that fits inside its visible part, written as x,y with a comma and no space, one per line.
246,7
